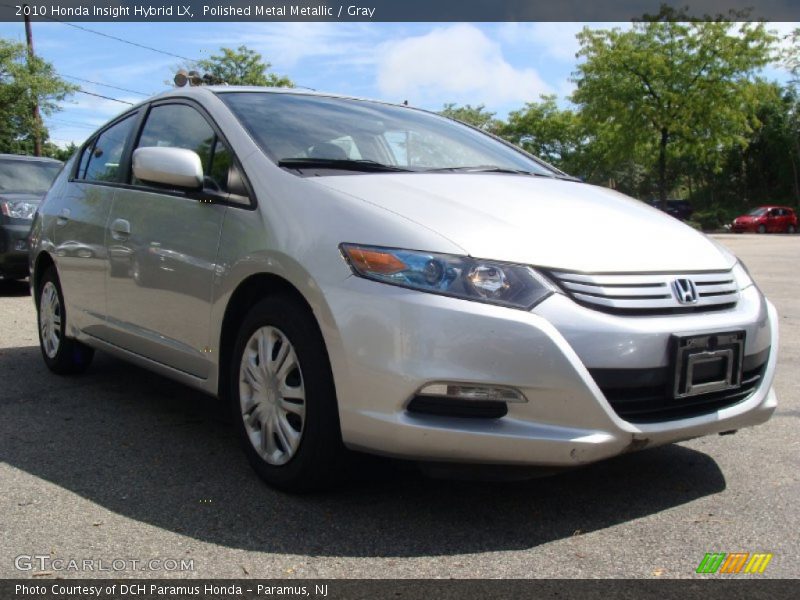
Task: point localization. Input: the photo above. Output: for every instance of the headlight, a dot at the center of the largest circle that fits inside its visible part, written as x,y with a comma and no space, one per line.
742,276
18,209
517,286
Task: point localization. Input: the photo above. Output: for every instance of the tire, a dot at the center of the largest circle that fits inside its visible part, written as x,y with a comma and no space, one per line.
791,229
138,276
62,355
286,412
762,229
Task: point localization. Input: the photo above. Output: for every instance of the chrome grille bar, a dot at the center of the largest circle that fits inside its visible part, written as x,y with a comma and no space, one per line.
648,292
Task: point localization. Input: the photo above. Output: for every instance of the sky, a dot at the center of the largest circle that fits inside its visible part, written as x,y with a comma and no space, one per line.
499,65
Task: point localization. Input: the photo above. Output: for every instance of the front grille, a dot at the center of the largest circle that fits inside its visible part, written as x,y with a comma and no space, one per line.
645,395
648,294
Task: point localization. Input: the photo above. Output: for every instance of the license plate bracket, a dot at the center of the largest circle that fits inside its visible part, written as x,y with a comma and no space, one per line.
706,363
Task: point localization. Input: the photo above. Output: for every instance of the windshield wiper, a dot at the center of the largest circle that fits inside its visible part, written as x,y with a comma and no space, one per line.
345,164
496,169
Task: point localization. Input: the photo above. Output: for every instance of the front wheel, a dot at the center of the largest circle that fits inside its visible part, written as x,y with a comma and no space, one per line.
791,229
283,397
61,354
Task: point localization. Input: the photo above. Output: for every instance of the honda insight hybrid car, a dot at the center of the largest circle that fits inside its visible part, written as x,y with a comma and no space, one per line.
351,274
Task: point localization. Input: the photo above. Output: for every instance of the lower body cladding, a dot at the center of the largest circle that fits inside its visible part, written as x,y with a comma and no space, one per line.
14,251
388,344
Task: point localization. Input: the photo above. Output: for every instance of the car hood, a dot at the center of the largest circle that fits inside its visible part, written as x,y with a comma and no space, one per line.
539,221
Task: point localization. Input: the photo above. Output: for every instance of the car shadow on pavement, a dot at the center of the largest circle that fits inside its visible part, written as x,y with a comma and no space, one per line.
157,452
10,288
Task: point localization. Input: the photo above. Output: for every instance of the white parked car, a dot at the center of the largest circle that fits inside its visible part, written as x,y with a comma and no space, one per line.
354,274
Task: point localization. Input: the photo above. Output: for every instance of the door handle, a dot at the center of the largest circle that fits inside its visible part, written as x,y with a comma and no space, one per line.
63,216
120,229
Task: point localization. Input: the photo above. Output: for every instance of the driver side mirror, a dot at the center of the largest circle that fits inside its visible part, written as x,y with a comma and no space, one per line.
175,167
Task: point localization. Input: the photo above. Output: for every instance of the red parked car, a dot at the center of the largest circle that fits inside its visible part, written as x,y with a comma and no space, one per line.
767,219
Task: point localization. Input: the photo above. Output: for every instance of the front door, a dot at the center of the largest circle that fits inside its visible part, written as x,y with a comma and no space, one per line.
162,248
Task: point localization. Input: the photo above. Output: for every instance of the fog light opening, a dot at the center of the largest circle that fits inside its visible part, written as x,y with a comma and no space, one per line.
470,391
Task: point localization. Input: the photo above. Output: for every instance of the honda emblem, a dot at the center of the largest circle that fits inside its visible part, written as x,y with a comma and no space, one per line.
685,291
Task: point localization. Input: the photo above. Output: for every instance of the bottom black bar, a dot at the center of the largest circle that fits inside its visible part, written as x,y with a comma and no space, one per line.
749,587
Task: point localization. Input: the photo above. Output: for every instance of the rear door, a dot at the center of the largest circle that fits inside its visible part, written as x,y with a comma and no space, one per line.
162,244
81,215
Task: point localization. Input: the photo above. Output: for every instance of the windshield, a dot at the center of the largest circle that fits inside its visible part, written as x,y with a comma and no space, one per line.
757,212
317,128
27,176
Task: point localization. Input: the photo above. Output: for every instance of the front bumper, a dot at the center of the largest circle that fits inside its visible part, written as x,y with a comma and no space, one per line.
387,342
14,250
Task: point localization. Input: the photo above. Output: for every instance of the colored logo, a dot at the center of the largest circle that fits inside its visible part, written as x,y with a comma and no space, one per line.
735,562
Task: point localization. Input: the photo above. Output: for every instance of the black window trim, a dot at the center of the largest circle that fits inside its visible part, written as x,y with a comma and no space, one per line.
124,174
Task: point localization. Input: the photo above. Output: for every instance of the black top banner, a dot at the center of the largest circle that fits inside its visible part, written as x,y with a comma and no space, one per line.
391,10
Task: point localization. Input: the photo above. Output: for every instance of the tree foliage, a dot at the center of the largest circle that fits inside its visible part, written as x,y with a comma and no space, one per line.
668,89
548,132
242,66
477,116
23,82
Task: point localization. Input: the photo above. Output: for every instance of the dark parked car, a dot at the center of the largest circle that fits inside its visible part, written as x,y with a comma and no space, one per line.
680,209
24,180
767,219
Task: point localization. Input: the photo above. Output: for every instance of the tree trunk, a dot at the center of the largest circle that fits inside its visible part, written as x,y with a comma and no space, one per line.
662,169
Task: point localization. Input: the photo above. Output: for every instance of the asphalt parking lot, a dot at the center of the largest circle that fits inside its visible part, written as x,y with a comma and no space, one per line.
123,464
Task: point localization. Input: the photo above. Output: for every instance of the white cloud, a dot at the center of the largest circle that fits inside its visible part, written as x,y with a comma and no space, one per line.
286,44
457,63
553,40
783,30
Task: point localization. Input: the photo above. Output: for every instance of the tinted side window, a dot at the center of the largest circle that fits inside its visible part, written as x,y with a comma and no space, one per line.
181,126
101,161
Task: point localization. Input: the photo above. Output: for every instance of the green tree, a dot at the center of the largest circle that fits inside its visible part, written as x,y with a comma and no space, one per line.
767,169
477,116
55,151
671,88
546,131
241,67
23,82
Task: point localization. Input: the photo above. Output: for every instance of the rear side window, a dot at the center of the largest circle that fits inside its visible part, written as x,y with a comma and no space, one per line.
100,161
181,126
